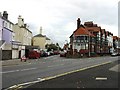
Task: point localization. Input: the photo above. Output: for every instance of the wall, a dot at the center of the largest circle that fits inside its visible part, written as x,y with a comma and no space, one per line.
48,42
1,28
39,41
22,35
7,35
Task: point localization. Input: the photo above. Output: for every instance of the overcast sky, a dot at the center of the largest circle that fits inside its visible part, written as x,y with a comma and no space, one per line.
58,17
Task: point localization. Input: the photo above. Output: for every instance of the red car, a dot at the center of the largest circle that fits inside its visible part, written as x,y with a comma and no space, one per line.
33,54
62,54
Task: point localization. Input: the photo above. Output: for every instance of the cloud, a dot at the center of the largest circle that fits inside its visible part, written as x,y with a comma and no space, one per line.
58,17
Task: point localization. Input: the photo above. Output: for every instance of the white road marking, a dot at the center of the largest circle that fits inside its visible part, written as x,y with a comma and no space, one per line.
28,69
47,78
101,78
49,57
40,79
56,65
18,70
10,71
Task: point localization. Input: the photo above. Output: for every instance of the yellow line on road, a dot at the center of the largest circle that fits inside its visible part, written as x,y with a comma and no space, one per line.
16,87
47,78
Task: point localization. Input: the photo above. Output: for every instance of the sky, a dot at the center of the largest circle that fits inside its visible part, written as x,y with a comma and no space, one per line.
58,18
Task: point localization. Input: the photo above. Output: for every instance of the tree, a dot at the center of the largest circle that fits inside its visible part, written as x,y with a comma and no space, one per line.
50,47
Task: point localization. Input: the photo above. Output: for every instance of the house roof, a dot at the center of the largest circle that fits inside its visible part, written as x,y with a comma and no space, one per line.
115,37
82,31
39,35
95,29
1,42
89,23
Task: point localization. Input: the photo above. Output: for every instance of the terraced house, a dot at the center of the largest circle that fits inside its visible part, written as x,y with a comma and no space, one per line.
22,38
116,44
6,36
89,40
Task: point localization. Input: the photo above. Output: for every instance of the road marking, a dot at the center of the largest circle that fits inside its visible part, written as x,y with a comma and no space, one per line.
59,75
48,57
18,70
101,78
47,78
10,71
28,69
56,65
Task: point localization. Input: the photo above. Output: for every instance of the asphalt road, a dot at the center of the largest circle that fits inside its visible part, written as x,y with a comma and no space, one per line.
46,67
99,77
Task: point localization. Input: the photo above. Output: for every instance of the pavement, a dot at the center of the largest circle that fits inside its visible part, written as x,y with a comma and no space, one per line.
105,76
16,62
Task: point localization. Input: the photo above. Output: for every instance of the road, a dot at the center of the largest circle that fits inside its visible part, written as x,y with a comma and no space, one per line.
46,67
104,76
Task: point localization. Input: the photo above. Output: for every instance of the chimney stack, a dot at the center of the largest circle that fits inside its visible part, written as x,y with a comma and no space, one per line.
5,14
20,21
40,30
0,14
78,23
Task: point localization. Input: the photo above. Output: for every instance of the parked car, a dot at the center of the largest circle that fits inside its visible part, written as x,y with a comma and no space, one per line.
62,54
114,54
33,55
51,52
44,53
56,52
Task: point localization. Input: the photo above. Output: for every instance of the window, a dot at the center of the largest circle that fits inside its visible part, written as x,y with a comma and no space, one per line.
82,46
86,46
6,24
78,44
3,24
10,25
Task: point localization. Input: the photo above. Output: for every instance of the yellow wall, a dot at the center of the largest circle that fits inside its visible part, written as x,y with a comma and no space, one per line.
39,41
22,35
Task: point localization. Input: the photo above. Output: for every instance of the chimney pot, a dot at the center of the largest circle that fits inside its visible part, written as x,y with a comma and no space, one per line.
40,30
78,23
5,14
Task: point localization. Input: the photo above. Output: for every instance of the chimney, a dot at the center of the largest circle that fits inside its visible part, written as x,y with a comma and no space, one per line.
40,30
5,14
20,21
0,14
78,23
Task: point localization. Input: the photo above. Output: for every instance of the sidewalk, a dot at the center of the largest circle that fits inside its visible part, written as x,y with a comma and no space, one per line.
13,62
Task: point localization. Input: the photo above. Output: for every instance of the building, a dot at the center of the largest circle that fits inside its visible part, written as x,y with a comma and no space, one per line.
82,40
40,40
95,30
22,38
7,36
116,44
1,21
89,39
